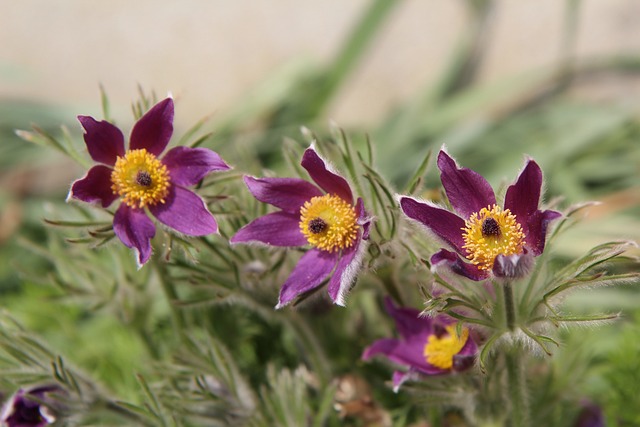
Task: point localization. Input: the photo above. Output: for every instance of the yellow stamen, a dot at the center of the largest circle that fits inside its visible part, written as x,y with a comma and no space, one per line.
329,223
489,233
439,352
140,179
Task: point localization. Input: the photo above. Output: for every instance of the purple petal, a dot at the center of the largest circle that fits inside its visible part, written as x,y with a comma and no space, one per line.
382,346
312,269
23,410
185,211
443,223
467,190
346,271
453,262
134,228
400,378
153,131
463,362
188,166
408,353
288,194
104,141
512,266
364,219
470,348
408,320
536,227
94,187
523,196
327,180
275,229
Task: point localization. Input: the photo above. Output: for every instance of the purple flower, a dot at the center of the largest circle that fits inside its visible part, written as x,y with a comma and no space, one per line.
143,181
590,416
501,240
327,220
428,346
25,410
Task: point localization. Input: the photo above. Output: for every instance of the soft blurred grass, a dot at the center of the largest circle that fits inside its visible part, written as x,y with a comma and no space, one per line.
588,151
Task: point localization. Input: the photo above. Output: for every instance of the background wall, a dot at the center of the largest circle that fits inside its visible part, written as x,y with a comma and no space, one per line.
209,53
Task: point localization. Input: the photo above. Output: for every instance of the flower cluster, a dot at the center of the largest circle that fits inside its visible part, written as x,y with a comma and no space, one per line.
484,239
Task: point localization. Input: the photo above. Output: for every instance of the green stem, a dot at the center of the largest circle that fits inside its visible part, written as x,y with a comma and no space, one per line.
509,306
171,295
519,416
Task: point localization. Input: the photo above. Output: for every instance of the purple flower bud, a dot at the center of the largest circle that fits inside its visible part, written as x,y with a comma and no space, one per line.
25,408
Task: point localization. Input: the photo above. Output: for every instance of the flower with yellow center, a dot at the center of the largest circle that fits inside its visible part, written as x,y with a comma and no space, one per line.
492,232
145,183
328,223
499,242
323,214
428,345
140,179
439,351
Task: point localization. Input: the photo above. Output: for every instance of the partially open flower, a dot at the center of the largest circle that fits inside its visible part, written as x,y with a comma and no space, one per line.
489,238
25,408
145,182
428,346
326,220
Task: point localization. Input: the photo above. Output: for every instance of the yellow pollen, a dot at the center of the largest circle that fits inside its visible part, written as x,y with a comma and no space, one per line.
439,352
140,179
489,233
329,223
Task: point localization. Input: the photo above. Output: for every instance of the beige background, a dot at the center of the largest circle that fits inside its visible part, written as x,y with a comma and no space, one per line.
209,53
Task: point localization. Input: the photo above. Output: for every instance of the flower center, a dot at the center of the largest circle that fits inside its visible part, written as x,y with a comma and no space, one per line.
489,233
329,223
140,179
439,350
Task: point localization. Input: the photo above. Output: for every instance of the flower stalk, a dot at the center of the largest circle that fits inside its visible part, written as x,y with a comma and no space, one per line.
509,306
519,416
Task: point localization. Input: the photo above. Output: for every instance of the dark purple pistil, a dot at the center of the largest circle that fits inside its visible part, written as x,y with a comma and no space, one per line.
490,227
143,178
439,331
317,225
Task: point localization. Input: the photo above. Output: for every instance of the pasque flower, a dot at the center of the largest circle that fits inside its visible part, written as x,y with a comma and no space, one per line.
143,181
322,216
25,408
428,345
484,236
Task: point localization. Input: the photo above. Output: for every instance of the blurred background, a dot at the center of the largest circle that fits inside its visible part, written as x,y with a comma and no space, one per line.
493,80
210,54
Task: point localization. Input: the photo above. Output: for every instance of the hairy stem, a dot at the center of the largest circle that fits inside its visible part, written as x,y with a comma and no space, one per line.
509,306
519,416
